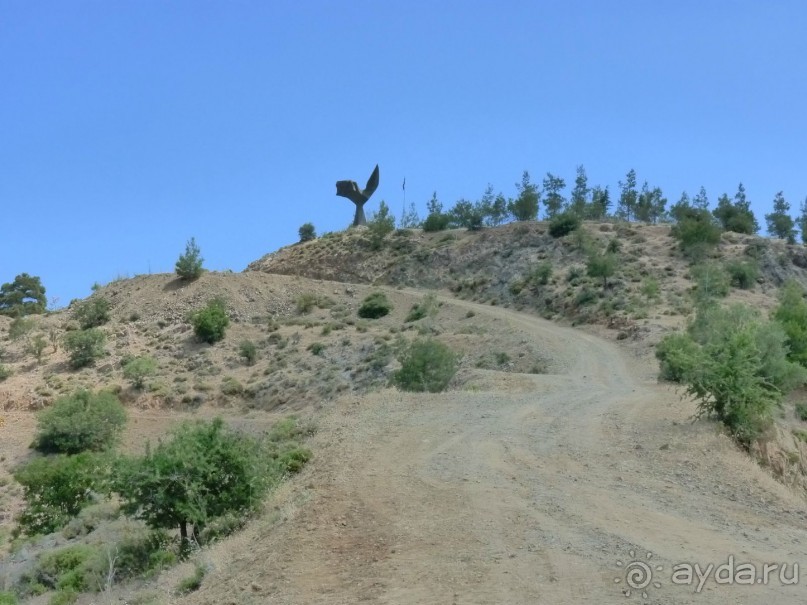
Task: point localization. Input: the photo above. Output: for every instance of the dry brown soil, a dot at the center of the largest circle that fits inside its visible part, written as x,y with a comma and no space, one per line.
534,489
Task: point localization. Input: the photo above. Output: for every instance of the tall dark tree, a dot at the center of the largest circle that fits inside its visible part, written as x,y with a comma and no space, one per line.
553,198
628,197
525,206
579,197
779,221
24,296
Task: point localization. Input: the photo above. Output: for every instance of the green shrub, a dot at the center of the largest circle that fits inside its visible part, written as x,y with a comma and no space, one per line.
563,224
231,387
80,422
428,306
65,569
697,233
92,312
650,288
8,598
380,225
5,372
436,221
307,232
601,265
84,347
791,314
374,306
801,411
426,365
248,351
541,274
742,274
316,348
306,302
189,265
210,322
137,369
678,354
143,552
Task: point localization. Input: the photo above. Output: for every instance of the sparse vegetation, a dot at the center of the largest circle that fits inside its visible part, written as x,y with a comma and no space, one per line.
427,307
248,351
743,274
376,305
137,369
426,365
210,323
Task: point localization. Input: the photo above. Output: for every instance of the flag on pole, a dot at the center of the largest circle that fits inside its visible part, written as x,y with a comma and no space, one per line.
404,184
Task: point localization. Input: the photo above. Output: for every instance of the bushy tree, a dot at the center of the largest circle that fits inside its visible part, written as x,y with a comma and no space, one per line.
210,322
137,369
467,214
525,206
736,216
436,219
564,223
80,422
56,488
426,365
92,312
203,472
553,198
650,205
84,346
681,208
189,265
697,232
24,296
307,232
602,265
780,223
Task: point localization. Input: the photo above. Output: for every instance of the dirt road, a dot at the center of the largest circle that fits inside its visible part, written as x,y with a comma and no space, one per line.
550,490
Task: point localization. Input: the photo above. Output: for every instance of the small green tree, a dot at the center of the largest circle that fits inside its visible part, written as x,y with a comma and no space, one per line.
525,206
24,296
579,198
493,207
602,265
36,346
426,365
436,219
248,351
203,472
736,216
697,232
600,204
79,422
553,198
780,223
801,221
564,223
210,322
307,232
189,265
380,225
137,369
84,346
410,218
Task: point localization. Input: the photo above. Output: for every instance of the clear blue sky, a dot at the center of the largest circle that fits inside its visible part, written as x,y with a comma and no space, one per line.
126,127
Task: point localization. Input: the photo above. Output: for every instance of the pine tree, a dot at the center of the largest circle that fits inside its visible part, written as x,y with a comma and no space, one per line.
779,221
802,221
680,208
525,206
736,216
600,204
24,296
189,265
579,199
553,199
650,206
701,201
626,206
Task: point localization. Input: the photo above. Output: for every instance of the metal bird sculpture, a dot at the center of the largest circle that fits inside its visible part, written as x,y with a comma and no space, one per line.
351,191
